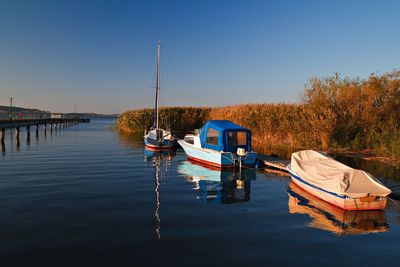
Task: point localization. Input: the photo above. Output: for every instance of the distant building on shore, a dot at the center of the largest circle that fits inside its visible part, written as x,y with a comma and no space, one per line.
57,116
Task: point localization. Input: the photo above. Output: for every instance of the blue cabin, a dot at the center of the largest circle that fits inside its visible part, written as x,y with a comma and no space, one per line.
224,135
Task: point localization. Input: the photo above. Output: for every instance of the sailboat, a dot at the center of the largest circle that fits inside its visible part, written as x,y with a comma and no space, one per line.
159,138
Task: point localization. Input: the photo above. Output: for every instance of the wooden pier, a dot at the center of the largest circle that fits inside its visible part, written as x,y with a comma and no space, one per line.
51,122
274,164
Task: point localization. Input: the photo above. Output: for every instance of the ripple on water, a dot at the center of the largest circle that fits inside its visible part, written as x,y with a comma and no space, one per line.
90,196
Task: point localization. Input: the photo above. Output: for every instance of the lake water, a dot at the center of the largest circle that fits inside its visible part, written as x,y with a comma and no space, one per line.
86,195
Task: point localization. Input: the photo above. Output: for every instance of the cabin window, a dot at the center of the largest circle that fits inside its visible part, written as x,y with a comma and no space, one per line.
212,137
189,140
237,138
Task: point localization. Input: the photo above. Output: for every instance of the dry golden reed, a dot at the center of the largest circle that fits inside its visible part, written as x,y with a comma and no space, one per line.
178,119
334,113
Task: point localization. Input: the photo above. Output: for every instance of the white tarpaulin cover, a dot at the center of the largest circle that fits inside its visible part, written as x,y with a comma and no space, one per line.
326,173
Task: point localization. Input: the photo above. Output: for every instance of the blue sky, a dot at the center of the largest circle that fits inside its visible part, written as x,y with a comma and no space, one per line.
100,55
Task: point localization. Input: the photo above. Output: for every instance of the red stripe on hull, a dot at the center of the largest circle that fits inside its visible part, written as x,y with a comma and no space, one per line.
207,166
159,147
211,163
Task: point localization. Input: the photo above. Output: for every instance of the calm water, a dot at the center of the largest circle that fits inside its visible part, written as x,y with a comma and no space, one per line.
89,196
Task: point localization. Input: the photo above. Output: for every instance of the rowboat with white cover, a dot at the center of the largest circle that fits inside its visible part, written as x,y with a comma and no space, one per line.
336,183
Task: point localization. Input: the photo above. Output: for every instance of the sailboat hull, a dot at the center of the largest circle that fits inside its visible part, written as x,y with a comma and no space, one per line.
163,144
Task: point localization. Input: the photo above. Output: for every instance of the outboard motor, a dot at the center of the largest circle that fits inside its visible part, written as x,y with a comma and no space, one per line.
241,155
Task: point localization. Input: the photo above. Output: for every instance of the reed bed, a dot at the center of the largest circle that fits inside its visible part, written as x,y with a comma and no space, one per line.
178,119
334,113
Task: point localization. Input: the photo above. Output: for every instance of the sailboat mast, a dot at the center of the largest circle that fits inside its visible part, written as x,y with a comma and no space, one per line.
157,85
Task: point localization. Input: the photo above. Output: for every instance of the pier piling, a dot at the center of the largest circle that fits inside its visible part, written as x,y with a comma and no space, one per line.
16,132
2,134
28,135
17,143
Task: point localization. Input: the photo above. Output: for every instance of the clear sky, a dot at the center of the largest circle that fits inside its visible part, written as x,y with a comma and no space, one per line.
100,55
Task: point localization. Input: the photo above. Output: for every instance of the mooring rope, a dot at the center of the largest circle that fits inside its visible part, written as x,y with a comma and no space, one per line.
235,163
394,201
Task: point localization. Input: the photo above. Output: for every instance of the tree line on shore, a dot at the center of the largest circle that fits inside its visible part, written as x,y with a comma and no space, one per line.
334,113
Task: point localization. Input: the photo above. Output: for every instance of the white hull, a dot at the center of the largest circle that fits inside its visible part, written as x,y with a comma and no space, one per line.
215,158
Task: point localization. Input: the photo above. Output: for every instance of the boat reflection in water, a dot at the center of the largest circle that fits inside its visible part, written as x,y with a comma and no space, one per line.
331,218
161,160
159,156
218,186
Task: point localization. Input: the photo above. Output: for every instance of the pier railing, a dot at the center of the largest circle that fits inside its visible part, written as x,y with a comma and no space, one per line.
7,123
53,123
25,115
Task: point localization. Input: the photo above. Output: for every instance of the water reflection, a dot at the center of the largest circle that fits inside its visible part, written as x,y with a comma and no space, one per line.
218,186
376,168
3,147
282,152
161,160
130,139
159,155
28,139
17,143
328,217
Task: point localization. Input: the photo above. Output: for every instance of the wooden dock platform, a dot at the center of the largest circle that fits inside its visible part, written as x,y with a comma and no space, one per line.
274,162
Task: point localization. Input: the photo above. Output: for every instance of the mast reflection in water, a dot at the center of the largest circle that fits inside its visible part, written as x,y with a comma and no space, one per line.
161,160
331,218
218,186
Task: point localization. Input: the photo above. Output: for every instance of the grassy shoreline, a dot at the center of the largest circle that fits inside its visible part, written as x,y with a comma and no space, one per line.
138,120
336,114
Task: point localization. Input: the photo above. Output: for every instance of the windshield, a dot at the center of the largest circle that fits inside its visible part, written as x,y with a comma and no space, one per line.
212,137
237,138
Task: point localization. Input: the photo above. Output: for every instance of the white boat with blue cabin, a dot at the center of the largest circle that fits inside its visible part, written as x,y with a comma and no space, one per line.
158,138
220,143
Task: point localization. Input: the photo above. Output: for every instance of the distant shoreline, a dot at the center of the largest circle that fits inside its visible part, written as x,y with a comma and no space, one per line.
28,112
